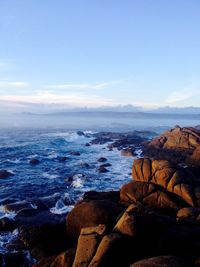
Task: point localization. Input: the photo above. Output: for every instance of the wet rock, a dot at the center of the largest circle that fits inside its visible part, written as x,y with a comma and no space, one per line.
63,159
92,213
75,153
34,217
34,161
128,152
80,133
102,159
45,262
105,165
87,144
17,206
163,261
21,205
87,244
84,165
100,141
94,195
44,240
5,174
102,169
7,224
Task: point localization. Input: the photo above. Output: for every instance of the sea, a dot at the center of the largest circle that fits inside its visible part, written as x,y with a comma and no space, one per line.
64,182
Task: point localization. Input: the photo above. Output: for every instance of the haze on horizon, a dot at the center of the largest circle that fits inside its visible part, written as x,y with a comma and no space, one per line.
61,55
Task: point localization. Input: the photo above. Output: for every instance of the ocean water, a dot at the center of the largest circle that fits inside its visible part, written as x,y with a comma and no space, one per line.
60,184
68,179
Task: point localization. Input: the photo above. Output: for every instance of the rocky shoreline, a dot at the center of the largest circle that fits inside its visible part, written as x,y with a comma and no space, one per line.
154,220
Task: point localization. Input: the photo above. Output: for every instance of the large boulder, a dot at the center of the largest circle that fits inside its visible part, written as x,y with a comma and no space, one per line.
44,240
92,213
176,144
175,179
88,242
163,261
150,194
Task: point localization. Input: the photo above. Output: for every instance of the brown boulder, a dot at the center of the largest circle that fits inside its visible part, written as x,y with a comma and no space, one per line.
178,138
114,250
163,261
175,179
92,213
87,244
151,195
64,259
175,145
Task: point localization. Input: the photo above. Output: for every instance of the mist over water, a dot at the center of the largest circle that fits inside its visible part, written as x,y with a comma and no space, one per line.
105,121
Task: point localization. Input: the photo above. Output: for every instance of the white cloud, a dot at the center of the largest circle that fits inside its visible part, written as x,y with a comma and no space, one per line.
80,85
181,95
15,84
49,98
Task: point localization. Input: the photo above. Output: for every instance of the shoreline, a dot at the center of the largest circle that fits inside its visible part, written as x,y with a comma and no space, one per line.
119,228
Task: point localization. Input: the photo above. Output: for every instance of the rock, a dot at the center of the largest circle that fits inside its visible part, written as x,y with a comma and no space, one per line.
80,133
194,159
84,165
176,144
45,262
163,261
94,195
102,169
34,217
139,221
188,214
105,165
75,153
102,159
17,206
62,159
91,213
128,152
151,195
7,224
34,161
175,179
64,259
5,174
87,144
180,240
113,250
44,240
88,242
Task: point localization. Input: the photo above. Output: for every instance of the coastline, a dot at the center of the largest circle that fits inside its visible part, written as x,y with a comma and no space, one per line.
148,218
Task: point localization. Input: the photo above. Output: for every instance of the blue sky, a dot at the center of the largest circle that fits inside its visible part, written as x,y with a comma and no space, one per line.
99,52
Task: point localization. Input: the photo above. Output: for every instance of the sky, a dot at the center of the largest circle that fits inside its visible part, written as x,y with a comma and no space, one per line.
91,53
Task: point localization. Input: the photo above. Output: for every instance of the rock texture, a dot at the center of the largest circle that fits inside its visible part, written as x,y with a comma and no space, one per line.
177,144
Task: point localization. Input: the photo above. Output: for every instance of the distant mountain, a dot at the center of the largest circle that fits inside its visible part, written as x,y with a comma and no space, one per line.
126,109
177,110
